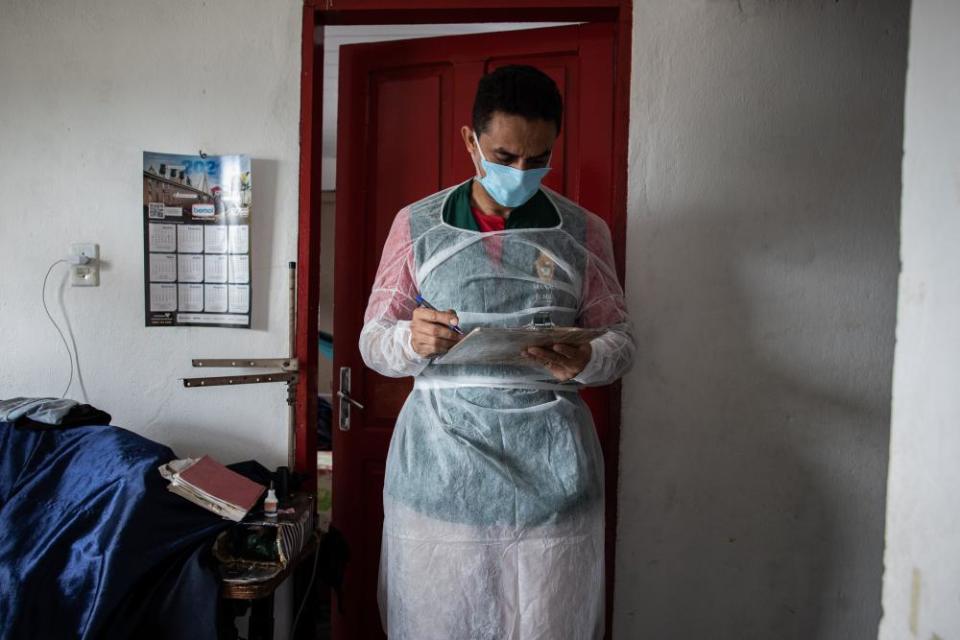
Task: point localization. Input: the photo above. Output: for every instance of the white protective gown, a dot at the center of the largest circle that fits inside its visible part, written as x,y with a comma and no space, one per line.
493,496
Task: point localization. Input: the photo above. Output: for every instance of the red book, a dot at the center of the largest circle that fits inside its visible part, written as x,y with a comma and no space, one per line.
214,479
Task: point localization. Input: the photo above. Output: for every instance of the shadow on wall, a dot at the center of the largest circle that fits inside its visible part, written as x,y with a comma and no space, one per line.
756,421
764,483
264,174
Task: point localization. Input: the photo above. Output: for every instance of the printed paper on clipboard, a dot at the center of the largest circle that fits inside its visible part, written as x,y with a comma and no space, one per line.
502,345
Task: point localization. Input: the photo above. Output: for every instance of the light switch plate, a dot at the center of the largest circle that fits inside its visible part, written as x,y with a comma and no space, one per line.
85,275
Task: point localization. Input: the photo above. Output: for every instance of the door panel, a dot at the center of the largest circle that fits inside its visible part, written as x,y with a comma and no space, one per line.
401,107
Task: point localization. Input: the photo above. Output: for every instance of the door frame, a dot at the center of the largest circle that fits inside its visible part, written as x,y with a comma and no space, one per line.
359,12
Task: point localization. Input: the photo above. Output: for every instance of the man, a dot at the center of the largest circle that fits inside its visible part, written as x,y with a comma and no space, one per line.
493,493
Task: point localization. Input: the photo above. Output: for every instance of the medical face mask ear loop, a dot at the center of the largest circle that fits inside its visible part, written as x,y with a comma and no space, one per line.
477,165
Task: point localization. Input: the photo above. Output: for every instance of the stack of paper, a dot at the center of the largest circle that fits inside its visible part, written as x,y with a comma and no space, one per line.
207,483
502,345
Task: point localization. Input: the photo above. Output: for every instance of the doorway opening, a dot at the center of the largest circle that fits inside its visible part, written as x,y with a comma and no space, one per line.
345,495
331,38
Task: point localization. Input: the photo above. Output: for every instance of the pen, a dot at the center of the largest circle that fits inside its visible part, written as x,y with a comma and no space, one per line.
427,305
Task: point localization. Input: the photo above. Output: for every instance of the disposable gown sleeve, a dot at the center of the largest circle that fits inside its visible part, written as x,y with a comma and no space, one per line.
385,337
602,305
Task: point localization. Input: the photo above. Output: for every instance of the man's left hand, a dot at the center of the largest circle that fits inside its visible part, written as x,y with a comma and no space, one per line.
563,361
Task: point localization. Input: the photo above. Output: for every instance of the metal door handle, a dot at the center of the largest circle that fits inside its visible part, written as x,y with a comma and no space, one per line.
346,397
345,400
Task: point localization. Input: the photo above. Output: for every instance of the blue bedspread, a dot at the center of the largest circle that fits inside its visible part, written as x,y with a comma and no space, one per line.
92,545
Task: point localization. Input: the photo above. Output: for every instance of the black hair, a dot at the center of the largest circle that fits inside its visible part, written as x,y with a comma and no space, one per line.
519,90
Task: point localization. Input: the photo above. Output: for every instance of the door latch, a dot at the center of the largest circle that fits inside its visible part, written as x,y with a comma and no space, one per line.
345,400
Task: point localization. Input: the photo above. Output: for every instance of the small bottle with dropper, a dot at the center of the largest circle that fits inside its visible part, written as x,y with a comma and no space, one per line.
270,503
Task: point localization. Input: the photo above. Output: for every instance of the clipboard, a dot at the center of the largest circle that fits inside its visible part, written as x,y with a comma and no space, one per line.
502,345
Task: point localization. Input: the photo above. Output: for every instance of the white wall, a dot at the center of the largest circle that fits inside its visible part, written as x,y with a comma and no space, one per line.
921,586
761,271
85,87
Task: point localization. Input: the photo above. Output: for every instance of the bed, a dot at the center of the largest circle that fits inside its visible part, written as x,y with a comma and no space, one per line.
93,545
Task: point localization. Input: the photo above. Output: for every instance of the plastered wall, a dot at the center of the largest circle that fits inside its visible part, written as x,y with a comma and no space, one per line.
86,88
921,585
762,267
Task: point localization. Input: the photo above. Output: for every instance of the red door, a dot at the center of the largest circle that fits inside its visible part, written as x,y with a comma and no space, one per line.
401,107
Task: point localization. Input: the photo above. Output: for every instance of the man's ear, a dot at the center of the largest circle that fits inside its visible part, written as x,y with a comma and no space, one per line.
466,133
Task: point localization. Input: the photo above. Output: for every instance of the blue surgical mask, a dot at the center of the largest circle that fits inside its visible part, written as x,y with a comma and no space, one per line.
508,186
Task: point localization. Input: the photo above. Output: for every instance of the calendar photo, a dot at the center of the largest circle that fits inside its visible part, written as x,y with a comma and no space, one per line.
196,240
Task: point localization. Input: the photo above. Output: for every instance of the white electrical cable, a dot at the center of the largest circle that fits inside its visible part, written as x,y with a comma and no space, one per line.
43,297
306,595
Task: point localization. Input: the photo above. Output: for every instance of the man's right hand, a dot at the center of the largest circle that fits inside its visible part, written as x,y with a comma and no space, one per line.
430,332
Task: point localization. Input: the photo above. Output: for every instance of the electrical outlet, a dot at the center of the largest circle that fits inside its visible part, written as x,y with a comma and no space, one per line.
85,275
